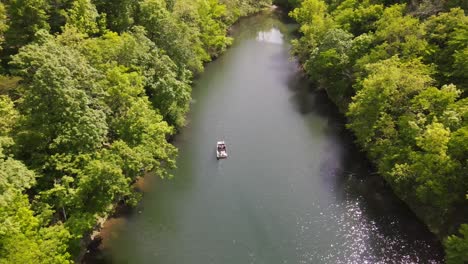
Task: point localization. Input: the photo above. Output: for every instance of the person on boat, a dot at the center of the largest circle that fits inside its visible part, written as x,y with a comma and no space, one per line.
222,147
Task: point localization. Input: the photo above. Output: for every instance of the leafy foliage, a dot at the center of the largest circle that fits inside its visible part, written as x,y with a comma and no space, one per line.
26,17
402,83
448,34
3,24
169,33
92,92
315,23
457,247
61,106
165,83
119,14
358,17
83,15
24,237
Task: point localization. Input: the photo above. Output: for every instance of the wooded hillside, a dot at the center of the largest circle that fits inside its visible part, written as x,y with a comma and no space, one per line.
90,92
399,71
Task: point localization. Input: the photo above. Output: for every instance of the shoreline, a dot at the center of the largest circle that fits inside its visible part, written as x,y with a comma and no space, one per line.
107,228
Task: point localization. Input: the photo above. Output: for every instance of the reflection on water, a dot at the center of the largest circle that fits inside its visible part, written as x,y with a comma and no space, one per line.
272,36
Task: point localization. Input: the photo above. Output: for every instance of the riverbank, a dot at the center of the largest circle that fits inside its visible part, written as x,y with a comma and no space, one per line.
97,243
393,98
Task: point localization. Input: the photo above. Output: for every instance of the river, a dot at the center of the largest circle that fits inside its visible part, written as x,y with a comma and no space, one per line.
295,189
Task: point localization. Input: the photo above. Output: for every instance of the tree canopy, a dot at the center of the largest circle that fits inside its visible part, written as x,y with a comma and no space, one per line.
90,93
398,72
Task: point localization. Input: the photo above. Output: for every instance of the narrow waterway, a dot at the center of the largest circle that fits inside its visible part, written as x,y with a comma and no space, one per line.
294,189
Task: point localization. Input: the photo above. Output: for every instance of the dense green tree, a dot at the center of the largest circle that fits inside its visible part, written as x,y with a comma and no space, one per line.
213,29
169,34
358,17
167,86
120,14
456,247
448,34
397,34
457,3
330,64
395,116
57,14
315,23
24,237
415,132
61,101
137,143
458,145
387,90
3,24
188,12
83,16
88,110
436,104
436,171
100,184
26,17
8,115
134,122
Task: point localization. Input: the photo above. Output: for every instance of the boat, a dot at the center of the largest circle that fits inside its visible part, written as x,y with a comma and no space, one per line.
221,152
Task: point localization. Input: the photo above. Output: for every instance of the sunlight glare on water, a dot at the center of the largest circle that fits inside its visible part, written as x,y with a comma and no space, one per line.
357,239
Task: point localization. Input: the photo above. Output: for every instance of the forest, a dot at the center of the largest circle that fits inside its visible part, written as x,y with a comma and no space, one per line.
398,70
91,92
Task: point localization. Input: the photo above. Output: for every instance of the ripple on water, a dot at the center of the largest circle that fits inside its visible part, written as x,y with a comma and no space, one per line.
357,239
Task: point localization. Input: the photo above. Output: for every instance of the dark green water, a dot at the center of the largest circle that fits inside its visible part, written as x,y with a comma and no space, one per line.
294,188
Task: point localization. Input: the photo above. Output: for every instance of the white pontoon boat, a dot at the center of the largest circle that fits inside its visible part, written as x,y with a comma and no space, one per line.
221,152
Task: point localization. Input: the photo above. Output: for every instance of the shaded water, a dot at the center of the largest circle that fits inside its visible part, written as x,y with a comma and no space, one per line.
294,188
